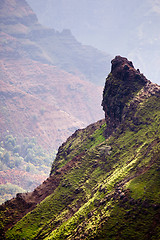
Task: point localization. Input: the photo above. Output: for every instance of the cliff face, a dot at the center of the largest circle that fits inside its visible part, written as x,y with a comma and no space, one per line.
121,85
100,188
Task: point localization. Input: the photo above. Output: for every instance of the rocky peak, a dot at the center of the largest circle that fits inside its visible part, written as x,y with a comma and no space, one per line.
122,84
118,62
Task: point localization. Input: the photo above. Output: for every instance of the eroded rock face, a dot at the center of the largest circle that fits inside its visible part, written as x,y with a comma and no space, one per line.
121,85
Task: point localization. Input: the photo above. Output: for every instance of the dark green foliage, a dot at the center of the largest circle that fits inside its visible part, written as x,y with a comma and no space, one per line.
109,189
29,151
27,157
9,142
112,192
6,158
16,149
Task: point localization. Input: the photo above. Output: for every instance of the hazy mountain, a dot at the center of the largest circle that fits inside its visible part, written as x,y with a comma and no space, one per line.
104,182
47,91
129,28
49,46
33,80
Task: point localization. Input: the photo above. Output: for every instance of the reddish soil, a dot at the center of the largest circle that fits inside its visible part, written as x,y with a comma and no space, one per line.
43,101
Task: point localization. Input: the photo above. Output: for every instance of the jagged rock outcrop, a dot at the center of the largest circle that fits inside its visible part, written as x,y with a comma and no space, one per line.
121,85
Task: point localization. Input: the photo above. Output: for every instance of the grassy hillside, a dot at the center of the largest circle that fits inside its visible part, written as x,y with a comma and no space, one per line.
109,188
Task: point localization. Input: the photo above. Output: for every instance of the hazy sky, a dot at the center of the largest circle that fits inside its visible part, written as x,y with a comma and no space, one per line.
118,27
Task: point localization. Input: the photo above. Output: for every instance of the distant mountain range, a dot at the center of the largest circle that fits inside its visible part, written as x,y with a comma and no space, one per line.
50,85
128,28
46,71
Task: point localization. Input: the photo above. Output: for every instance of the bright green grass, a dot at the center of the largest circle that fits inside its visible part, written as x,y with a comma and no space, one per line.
133,150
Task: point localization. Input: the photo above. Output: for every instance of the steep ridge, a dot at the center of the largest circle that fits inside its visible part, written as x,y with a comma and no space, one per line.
100,187
50,93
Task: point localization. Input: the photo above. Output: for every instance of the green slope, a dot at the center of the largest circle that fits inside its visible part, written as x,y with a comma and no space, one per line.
105,181
112,190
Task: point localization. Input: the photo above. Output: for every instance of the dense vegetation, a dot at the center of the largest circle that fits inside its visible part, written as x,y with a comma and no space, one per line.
112,189
27,159
104,183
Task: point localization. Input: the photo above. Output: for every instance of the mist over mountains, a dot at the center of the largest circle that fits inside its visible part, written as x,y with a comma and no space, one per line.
43,69
118,27
50,85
